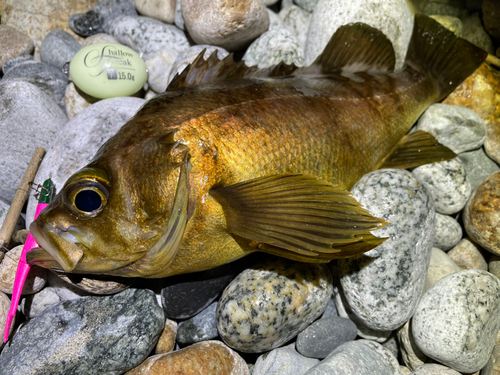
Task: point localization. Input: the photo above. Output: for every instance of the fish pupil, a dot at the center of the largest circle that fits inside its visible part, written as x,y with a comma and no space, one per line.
88,200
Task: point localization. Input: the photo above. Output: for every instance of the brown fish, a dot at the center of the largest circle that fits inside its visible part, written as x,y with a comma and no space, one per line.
232,159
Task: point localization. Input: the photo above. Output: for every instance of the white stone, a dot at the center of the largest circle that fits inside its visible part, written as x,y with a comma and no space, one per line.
159,67
468,256
163,10
448,232
441,265
296,20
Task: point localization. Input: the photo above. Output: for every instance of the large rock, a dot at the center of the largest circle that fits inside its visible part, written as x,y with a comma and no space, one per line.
14,44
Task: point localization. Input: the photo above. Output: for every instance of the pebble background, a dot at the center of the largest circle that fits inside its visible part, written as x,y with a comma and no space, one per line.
425,302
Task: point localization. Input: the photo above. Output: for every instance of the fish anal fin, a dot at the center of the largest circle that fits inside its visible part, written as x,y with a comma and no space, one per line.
298,217
416,149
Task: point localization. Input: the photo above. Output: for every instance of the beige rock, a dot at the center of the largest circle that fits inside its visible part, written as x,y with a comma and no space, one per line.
468,256
163,10
404,370
440,265
166,342
412,355
98,38
494,265
451,23
35,280
14,43
231,24
73,101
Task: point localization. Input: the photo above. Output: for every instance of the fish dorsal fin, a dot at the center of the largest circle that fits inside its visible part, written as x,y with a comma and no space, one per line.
355,47
298,217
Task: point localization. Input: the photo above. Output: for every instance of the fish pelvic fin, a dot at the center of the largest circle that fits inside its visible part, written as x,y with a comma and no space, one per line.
448,58
298,217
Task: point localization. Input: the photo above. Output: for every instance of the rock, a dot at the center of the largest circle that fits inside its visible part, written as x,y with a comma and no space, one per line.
201,327
159,67
147,36
434,369
273,47
473,31
91,335
267,305
459,129
478,166
163,10
58,48
96,20
441,265
307,5
404,370
274,20
448,232
493,365
325,335
494,265
442,9
446,182
330,311
97,284
467,256
411,354
283,361
82,136
34,304
178,19
229,24
66,291
457,320
98,38
360,357
166,342
208,357
14,44
18,60
4,208
451,23
392,345
48,78
74,102
392,17
296,20
4,311
34,282
383,285
490,13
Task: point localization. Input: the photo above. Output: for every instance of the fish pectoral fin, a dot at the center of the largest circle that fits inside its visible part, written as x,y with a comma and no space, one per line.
298,217
416,149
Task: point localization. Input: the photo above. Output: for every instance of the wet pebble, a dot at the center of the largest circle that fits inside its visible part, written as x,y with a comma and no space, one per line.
94,335
296,20
441,265
201,327
58,48
204,358
166,342
434,369
457,320
267,305
446,182
14,44
448,232
325,335
460,129
283,361
478,166
383,285
162,10
481,214
410,353
467,256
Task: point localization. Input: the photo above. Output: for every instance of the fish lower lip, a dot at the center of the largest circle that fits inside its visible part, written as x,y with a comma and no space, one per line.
40,257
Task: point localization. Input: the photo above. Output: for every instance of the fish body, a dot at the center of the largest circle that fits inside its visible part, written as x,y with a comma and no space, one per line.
217,168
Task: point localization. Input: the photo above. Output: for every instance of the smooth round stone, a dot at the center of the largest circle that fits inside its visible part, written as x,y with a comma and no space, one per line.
468,256
441,265
446,182
482,214
93,335
473,31
404,370
226,23
163,10
296,20
434,369
98,38
4,208
383,285
360,357
267,305
147,36
457,320
58,48
14,44
200,327
178,18
448,232
34,282
273,47
34,304
451,23
307,5
83,135
18,60
283,361
4,311
329,15
330,310
457,128
74,102
166,342
208,357
325,335
478,166
410,353
159,67
392,344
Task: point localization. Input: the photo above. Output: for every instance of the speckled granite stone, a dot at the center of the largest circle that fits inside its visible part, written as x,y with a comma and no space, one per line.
296,20
448,232
283,361
434,369
467,255
457,320
91,335
446,182
201,327
360,357
410,353
267,305
441,265
383,285
478,166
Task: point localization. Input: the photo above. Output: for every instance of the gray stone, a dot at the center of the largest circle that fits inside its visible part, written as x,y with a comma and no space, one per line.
478,166
178,19
74,102
392,17
18,60
82,137
4,208
273,47
325,335
91,335
64,290
473,31
267,305
296,20
307,5
331,310
412,356
159,67
28,118
460,129
448,232
48,78
201,327
434,369
383,285
441,265
360,357
442,9
34,304
4,310
457,320
492,366
146,35
283,361
275,21
58,48
446,182
494,265
392,344
98,38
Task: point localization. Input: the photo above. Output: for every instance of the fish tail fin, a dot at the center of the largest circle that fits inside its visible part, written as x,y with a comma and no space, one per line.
449,58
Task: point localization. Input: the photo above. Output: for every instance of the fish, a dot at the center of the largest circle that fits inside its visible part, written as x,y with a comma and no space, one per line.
233,160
